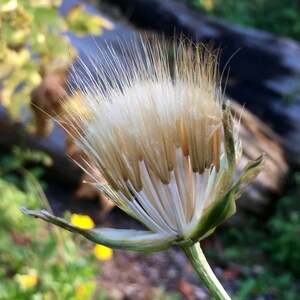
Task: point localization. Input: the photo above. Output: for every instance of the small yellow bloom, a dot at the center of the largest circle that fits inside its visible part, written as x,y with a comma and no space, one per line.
209,5
82,221
85,290
80,291
27,281
103,252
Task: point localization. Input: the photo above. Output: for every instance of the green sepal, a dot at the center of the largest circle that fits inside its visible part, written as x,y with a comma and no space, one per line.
184,243
229,145
124,239
215,215
249,173
225,207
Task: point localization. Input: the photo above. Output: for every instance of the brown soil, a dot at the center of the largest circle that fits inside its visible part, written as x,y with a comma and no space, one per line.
132,275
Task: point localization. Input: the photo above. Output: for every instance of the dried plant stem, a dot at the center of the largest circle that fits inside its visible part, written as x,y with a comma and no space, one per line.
205,272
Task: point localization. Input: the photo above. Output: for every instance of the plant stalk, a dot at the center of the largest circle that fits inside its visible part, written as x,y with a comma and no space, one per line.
205,272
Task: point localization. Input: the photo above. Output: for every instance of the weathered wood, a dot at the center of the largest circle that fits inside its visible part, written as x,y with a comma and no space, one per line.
14,134
257,138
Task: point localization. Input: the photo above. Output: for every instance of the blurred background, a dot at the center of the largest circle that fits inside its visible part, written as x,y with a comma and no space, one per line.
256,254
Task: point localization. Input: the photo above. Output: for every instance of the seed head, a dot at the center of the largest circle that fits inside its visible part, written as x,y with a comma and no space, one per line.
155,131
155,128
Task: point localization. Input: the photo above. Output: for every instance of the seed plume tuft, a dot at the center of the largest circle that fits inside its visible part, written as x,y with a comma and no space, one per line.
154,127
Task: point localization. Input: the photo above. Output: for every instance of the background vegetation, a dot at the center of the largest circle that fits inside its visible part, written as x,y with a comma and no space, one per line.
265,254
38,261
279,17
265,251
32,46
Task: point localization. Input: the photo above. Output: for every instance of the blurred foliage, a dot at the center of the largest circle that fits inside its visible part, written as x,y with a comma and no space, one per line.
38,261
290,97
279,17
268,253
32,44
284,235
81,22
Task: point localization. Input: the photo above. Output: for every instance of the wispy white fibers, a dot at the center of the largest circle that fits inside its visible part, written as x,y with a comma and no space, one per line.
154,131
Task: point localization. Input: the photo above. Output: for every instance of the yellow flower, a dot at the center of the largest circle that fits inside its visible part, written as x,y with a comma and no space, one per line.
82,221
103,252
80,291
208,4
84,290
27,281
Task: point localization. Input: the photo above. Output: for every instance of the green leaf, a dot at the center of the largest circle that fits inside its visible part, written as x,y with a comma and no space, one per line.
82,23
48,16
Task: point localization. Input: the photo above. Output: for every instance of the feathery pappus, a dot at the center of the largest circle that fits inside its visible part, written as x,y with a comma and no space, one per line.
155,128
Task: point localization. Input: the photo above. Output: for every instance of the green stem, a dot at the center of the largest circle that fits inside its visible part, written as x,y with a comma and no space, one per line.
205,272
